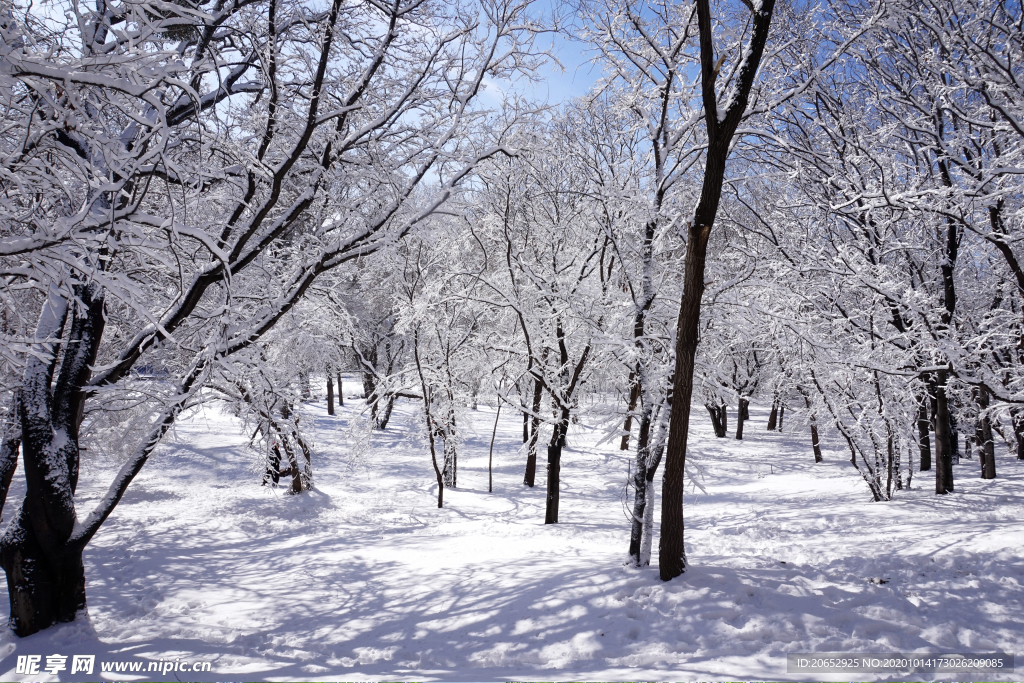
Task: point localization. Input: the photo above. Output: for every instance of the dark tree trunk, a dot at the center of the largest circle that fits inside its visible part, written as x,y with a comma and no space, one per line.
44,588
986,446
641,484
720,130
531,454
924,443
634,395
45,575
1018,432
330,394
782,414
526,426
341,392
554,470
815,443
944,445
773,417
742,414
385,416
717,414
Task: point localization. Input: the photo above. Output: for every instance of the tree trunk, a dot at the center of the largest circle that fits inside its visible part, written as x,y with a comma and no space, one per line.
634,395
741,416
720,127
1018,432
717,419
45,588
773,417
641,488
554,469
815,444
330,394
782,414
531,456
986,446
671,548
341,392
385,417
924,444
45,574
943,440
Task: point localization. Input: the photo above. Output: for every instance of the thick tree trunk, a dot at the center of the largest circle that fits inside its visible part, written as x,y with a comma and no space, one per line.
720,127
554,471
741,416
671,548
45,575
341,392
330,394
986,446
782,414
944,446
924,444
45,588
718,419
773,417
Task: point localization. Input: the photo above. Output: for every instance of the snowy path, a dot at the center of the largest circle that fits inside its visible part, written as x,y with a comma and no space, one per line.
365,578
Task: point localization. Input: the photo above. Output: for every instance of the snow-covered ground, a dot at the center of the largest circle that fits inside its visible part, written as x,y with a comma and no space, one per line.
364,578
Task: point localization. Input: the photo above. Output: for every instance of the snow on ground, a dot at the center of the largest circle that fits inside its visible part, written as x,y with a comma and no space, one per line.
364,578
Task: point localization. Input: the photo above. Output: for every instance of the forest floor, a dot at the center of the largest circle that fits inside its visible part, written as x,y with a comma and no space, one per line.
364,578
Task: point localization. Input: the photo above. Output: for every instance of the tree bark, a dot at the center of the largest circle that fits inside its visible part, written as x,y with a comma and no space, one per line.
330,394
782,414
641,487
720,131
943,439
634,395
531,454
986,446
1018,432
341,392
45,574
924,444
773,417
741,417
554,470
815,444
